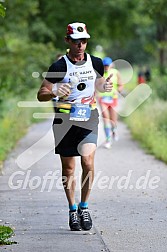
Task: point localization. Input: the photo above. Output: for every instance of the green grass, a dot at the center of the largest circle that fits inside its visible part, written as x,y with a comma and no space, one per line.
5,234
14,122
148,125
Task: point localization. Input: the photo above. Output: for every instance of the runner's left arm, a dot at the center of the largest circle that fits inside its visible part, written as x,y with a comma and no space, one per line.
103,85
119,83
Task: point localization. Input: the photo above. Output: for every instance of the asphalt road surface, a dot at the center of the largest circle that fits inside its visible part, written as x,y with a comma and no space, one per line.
128,202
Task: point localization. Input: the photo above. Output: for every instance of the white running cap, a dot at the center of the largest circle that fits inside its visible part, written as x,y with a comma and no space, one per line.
77,31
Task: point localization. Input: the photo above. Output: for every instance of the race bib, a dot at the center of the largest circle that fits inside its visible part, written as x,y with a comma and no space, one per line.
80,112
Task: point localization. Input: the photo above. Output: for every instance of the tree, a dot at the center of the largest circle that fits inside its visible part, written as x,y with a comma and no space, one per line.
2,10
20,55
157,12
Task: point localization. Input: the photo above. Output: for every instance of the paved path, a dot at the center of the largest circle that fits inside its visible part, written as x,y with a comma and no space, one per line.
129,211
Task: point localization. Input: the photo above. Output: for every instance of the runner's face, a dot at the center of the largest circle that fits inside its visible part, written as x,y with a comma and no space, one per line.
106,68
77,46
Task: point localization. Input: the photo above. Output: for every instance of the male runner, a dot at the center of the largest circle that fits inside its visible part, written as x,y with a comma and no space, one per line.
75,125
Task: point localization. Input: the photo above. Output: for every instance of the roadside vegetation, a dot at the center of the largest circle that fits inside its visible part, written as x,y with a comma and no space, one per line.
15,121
6,233
148,123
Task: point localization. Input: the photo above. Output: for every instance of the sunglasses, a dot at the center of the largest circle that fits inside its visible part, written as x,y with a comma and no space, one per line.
78,41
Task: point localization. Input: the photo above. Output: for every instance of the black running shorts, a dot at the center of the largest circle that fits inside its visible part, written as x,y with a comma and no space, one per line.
69,135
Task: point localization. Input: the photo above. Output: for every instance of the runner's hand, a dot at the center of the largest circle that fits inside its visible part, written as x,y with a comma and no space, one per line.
62,90
108,85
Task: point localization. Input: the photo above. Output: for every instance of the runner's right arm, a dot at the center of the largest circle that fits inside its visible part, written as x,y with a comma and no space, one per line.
54,75
46,93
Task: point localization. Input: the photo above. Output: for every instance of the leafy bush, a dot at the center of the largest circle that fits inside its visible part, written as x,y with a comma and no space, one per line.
162,88
19,59
14,122
159,85
148,124
5,234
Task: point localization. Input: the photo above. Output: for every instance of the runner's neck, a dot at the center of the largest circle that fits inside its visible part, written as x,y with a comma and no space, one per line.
76,58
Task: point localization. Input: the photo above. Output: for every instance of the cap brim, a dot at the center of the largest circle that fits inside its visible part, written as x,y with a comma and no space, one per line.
79,36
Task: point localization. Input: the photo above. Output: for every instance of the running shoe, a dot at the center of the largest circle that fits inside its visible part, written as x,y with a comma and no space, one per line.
86,221
74,221
115,136
107,145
